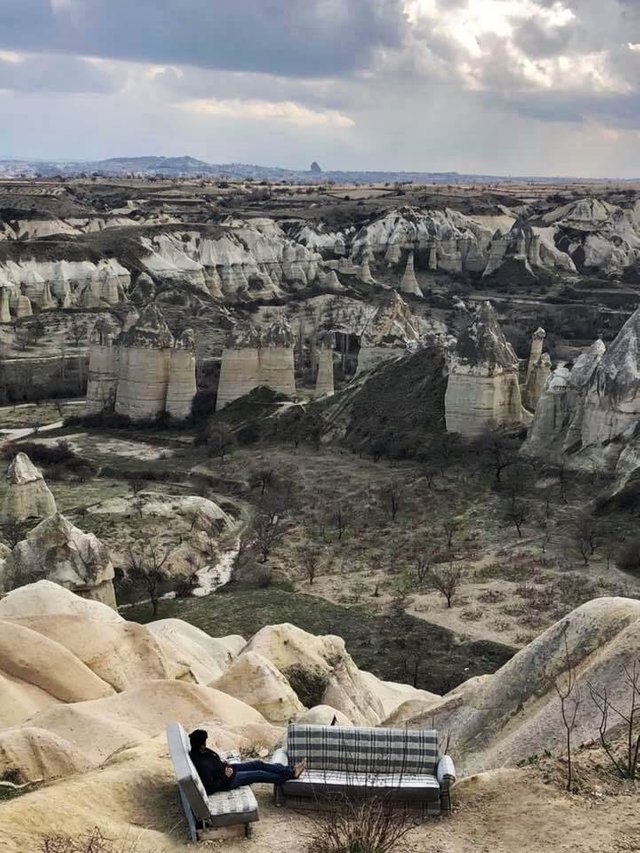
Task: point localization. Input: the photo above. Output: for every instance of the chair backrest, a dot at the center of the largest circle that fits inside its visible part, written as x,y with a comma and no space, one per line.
364,750
186,774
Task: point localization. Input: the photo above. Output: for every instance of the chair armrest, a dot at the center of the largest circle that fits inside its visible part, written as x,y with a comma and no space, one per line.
446,772
280,756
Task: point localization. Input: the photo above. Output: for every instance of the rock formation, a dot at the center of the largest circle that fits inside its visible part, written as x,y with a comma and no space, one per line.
409,283
324,378
28,495
56,550
143,375
483,388
538,370
102,379
182,386
391,331
256,681
142,372
251,359
537,381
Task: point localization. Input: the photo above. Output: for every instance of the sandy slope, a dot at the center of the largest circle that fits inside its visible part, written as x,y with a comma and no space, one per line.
504,811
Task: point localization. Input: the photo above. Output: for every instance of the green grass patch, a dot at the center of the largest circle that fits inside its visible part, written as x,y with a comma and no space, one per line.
400,648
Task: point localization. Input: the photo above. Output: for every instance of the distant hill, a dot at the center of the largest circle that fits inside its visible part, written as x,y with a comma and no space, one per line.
184,167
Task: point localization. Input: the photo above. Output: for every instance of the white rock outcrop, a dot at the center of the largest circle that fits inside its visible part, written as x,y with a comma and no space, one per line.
409,283
102,379
483,388
324,379
393,330
252,358
255,680
142,372
28,496
182,385
55,550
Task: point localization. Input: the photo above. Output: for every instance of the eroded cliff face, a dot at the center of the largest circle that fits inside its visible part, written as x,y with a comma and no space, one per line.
252,358
142,372
590,414
585,235
483,388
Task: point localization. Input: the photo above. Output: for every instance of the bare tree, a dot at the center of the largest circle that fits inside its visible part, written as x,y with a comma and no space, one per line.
565,687
310,562
446,580
263,477
584,528
449,528
219,440
270,522
627,764
422,564
147,561
499,449
517,514
391,497
341,518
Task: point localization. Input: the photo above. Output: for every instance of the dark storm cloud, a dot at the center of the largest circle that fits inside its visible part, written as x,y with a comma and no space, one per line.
308,38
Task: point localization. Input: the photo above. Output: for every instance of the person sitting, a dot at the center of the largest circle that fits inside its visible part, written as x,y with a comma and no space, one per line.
218,775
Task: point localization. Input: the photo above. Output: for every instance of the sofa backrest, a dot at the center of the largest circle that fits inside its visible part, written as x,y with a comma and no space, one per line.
364,750
186,774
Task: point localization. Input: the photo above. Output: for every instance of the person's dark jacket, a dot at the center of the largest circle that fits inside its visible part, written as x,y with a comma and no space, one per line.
211,769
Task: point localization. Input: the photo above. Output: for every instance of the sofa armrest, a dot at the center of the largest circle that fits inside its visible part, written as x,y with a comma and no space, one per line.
280,756
446,772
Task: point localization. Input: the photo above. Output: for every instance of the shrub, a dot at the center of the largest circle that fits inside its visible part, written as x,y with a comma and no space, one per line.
365,824
628,560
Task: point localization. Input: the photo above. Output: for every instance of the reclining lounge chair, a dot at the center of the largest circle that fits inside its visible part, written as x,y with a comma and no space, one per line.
206,813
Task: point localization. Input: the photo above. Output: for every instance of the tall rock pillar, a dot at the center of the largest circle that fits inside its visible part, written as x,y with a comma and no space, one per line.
483,388
324,379
182,377
145,354
102,380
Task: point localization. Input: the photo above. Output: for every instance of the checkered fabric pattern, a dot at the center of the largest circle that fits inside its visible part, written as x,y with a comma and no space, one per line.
238,801
390,752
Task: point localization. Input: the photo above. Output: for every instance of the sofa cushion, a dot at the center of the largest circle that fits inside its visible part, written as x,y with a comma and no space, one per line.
316,783
366,750
239,801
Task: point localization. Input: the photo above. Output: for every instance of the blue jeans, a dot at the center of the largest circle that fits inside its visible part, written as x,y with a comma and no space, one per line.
250,772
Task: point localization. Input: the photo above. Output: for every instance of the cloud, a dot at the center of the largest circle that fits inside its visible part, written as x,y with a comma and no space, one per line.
285,111
289,37
45,73
473,85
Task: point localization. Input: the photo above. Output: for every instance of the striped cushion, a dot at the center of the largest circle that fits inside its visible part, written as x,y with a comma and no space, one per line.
239,801
364,750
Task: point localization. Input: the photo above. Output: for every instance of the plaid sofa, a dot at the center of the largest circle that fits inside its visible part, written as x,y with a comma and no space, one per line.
204,811
399,764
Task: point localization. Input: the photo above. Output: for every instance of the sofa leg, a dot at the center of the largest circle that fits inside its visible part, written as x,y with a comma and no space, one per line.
248,830
445,802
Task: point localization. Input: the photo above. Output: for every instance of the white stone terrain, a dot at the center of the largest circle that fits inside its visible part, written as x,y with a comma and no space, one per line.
58,551
28,495
483,388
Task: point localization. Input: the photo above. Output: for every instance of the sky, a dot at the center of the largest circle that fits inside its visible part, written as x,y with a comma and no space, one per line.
526,87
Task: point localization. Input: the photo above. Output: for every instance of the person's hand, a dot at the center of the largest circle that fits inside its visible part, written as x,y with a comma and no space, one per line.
228,772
